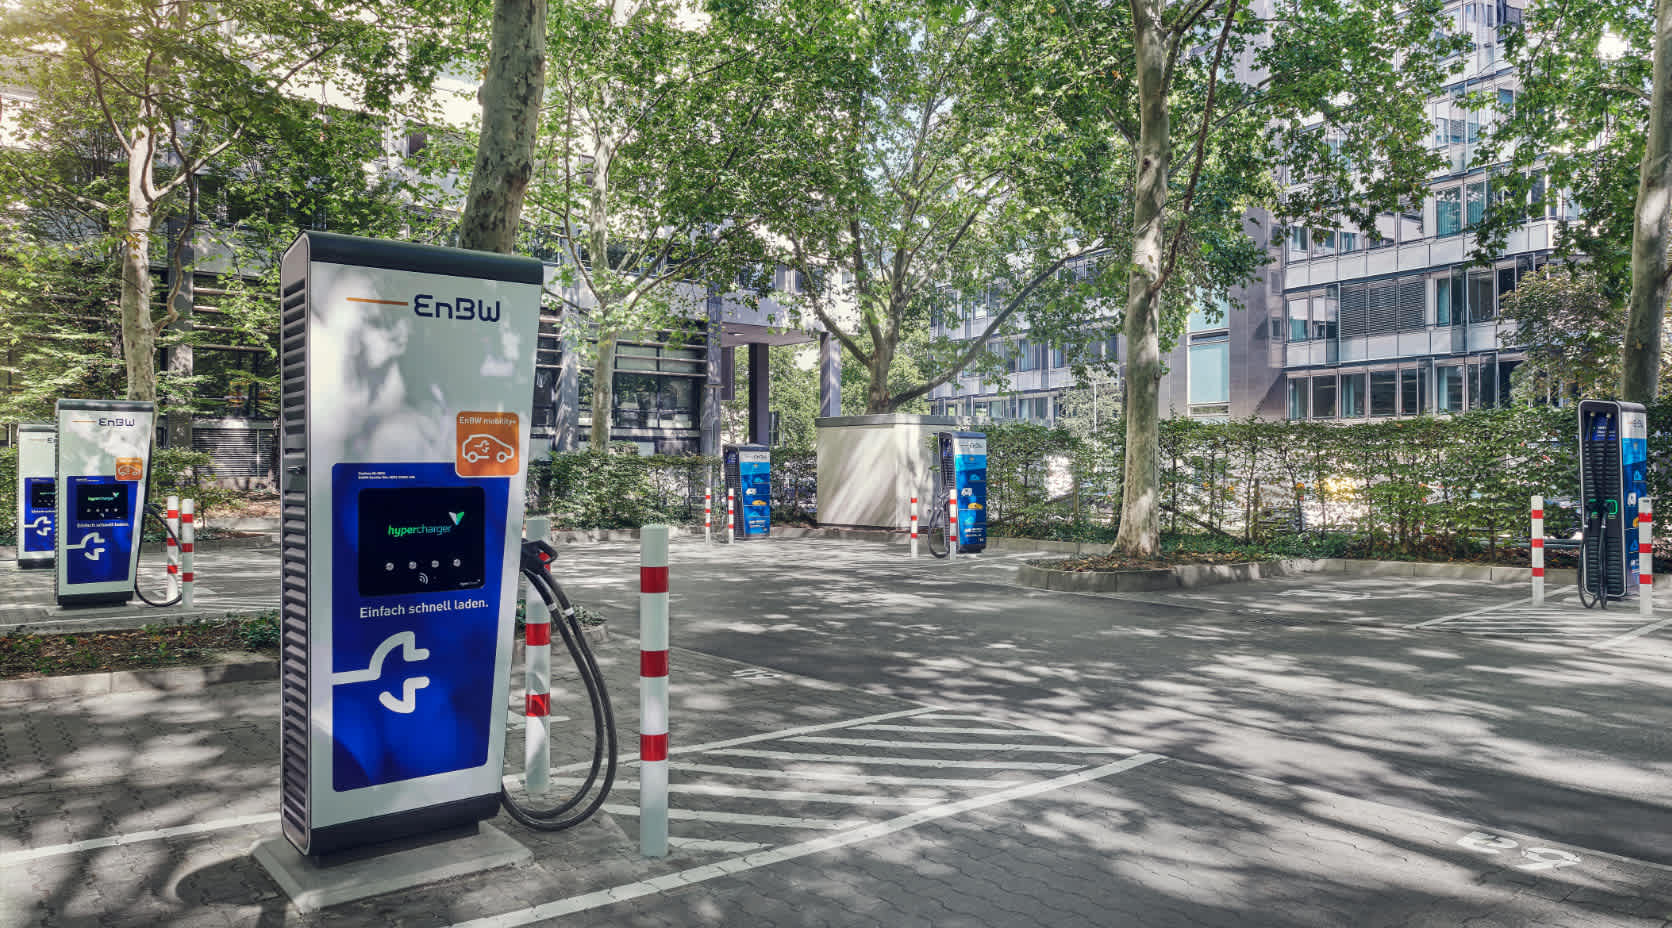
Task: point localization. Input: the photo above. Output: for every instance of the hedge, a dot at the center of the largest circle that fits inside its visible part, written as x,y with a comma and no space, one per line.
623,489
173,472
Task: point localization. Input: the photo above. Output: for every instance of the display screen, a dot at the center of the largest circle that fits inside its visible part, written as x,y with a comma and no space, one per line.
421,540
43,494
101,502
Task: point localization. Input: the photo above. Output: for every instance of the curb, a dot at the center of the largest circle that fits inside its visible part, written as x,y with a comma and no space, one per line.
234,667
1185,576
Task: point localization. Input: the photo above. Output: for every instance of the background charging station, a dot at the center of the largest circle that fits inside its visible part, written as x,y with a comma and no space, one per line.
1613,474
104,459
37,493
407,382
749,470
963,463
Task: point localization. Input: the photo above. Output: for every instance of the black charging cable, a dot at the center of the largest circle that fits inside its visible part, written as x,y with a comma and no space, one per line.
536,569
179,591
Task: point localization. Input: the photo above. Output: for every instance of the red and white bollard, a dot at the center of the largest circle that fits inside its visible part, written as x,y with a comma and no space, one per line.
1536,552
171,515
708,514
914,526
537,700
653,691
952,524
188,547
1645,556
731,518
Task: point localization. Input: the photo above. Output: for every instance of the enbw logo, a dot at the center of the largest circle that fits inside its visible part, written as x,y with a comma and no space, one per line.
426,305
115,422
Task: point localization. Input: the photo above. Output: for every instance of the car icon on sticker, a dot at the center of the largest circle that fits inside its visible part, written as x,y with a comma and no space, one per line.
481,446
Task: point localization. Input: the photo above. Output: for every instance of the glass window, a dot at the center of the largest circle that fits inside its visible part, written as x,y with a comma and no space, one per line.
1326,314
1384,397
1448,212
1323,397
1506,281
1476,202
1210,372
1483,385
1413,392
1442,300
1297,242
1506,101
1482,306
1448,390
1411,227
1352,396
1297,399
1323,242
1298,321
1347,242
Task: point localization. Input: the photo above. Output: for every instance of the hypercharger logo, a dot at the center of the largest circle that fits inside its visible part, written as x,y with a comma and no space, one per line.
401,531
428,306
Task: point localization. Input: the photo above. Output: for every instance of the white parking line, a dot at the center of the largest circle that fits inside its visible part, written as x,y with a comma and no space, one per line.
1523,601
694,875
713,844
932,730
781,795
899,761
805,772
959,746
744,818
54,850
1634,634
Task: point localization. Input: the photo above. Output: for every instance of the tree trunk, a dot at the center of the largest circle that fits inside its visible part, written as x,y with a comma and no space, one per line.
1140,527
603,394
603,290
139,334
1640,367
512,90
877,398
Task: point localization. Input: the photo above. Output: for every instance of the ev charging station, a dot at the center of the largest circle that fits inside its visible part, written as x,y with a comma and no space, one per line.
749,470
963,465
407,385
1613,472
104,460
37,493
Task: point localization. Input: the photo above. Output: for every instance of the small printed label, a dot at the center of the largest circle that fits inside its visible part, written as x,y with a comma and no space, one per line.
130,470
487,444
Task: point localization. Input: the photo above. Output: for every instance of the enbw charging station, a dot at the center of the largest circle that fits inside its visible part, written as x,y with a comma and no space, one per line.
104,459
407,384
37,493
1613,473
749,471
963,468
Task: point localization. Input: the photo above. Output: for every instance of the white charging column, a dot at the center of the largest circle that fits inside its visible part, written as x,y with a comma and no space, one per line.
104,461
37,493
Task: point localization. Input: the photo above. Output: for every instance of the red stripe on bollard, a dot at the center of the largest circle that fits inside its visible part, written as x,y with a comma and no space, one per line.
1646,579
186,577
1645,517
536,634
1538,542
538,705
1538,571
1645,547
653,579
653,663
653,747
173,568
1538,513
187,547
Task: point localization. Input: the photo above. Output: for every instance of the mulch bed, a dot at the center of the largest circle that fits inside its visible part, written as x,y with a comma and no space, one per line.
53,655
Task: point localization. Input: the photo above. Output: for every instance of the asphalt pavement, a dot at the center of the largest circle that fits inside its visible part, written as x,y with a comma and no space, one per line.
862,739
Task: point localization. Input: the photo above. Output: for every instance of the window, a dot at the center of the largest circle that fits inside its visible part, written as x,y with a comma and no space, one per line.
645,401
1323,242
1483,385
1384,395
1442,300
1325,313
1297,399
1413,392
1482,307
1299,323
1323,397
1210,371
1297,243
1448,212
1448,390
1476,202
1506,101
1347,242
1352,396
1506,281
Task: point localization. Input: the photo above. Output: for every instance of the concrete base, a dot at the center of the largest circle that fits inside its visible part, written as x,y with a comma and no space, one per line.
316,883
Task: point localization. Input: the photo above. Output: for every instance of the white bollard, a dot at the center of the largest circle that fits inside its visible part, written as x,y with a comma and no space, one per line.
914,526
188,549
653,691
537,700
1536,551
708,514
731,518
1645,556
171,545
952,524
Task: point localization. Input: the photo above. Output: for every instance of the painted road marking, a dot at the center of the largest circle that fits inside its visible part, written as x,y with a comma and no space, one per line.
934,730
816,773
783,795
693,875
744,818
899,761
950,746
1537,858
1634,634
76,847
1523,601
713,845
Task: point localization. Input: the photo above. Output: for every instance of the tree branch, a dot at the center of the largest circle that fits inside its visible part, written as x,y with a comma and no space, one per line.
1201,152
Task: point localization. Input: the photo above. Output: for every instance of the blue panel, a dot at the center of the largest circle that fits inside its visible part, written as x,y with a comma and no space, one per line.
430,706
971,473
39,515
1634,454
755,479
98,539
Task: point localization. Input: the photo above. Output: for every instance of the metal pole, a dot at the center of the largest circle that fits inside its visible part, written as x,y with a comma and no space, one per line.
188,547
914,525
653,691
1646,557
1537,550
952,524
172,517
537,701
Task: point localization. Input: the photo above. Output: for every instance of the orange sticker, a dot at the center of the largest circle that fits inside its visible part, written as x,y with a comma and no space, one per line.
487,444
130,470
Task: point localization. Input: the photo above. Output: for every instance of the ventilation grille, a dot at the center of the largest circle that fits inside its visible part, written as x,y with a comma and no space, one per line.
293,550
